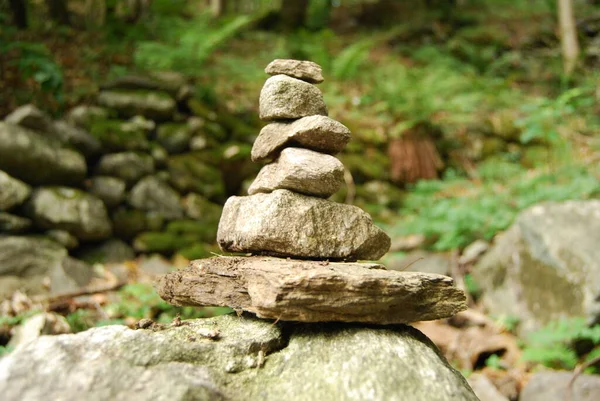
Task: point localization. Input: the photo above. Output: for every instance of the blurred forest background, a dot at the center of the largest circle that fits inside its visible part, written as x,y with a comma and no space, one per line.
463,113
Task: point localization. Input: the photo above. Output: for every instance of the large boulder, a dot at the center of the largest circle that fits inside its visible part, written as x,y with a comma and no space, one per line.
231,358
13,192
190,172
284,223
284,97
37,159
128,166
70,209
155,105
545,266
30,264
110,190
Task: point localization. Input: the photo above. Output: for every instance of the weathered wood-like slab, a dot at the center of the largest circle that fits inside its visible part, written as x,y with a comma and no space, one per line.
312,291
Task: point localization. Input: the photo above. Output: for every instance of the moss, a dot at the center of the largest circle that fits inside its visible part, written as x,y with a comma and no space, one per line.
195,230
128,223
190,173
199,251
162,242
114,138
175,137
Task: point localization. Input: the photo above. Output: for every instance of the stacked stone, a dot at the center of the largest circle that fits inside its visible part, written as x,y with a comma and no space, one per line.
286,214
305,246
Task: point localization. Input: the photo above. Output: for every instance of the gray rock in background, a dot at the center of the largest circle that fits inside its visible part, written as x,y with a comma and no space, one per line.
545,266
80,139
31,264
29,116
319,133
110,190
485,389
553,386
38,160
153,195
284,223
63,237
110,251
70,209
174,137
81,116
303,171
283,97
235,359
158,106
128,166
11,223
305,70
13,192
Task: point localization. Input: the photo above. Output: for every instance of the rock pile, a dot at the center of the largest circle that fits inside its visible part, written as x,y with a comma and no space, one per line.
286,215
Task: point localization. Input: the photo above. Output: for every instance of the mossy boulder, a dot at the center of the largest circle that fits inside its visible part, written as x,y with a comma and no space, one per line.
83,116
111,251
13,192
37,159
155,105
545,266
127,223
128,166
174,137
190,172
110,190
151,194
69,209
118,136
189,236
233,358
13,224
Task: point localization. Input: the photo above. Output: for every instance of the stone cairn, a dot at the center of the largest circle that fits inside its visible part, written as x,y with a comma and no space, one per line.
306,247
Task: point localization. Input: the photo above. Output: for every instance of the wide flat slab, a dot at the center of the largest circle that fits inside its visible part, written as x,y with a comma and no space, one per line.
313,291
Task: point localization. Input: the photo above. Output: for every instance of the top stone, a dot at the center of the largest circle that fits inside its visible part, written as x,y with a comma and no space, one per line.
304,70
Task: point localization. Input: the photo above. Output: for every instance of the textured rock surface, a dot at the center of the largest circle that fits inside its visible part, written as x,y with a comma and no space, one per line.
311,291
154,195
553,386
154,105
545,266
129,166
70,209
13,192
283,97
26,262
110,190
36,159
10,223
29,116
250,360
284,223
304,70
319,133
303,171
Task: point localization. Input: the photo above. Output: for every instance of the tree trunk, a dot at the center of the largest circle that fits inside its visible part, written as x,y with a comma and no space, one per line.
19,12
218,7
568,36
58,11
293,14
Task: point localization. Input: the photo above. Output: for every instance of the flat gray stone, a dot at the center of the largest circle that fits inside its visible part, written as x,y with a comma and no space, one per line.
248,360
128,166
545,266
284,97
319,133
38,159
13,192
155,105
154,195
311,291
305,70
283,223
303,171
553,386
77,212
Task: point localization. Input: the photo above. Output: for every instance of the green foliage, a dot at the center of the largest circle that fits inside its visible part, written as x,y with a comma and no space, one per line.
187,44
35,62
456,211
554,345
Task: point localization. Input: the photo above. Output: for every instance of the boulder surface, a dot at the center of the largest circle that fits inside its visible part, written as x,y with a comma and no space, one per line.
284,223
545,266
231,358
